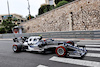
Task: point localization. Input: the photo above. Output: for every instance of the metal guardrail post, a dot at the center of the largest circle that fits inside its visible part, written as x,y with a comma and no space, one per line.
50,35
14,35
2,36
74,34
92,34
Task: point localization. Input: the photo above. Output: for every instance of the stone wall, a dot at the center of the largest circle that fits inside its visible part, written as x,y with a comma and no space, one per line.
77,15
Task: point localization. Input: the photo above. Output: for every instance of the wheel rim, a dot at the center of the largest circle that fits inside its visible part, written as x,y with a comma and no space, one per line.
60,51
14,48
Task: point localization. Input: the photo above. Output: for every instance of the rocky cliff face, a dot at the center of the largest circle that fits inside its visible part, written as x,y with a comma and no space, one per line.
78,15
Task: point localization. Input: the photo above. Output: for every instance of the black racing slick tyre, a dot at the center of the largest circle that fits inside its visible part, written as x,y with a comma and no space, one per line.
16,48
61,51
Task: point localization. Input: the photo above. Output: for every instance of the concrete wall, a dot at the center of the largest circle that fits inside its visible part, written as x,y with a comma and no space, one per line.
77,15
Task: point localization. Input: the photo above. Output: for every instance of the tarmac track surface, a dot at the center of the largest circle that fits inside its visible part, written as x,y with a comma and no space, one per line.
34,59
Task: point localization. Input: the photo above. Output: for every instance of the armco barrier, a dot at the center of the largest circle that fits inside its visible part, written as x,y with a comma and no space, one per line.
8,36
1,36
69,34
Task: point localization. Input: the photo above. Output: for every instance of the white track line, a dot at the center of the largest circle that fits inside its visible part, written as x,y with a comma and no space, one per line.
41,66
93,49
76,61
92,45
92,55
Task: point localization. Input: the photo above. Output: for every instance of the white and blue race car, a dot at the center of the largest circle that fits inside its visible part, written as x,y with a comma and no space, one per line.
36,43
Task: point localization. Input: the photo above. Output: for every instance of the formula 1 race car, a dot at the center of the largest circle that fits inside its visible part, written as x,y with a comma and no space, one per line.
35,43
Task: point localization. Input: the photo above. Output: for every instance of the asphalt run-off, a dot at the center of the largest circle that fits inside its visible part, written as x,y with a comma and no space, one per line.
34,59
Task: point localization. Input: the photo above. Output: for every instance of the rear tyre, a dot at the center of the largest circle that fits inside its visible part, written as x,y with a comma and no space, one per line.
61,51
16,48
44,52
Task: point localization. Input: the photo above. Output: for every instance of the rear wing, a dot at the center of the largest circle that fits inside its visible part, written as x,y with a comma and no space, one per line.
20,39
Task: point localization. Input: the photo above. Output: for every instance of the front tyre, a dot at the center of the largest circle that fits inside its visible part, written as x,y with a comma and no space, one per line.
61,51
